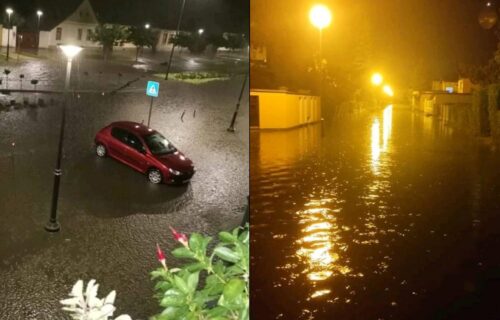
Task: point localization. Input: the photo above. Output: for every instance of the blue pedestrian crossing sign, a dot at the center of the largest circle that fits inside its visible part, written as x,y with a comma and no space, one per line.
153,88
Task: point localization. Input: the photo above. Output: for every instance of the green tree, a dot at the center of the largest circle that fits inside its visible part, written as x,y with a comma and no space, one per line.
141,37
234,41
109,35
183,40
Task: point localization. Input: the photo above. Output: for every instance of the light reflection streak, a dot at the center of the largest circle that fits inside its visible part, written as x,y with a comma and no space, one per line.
320,244
376,149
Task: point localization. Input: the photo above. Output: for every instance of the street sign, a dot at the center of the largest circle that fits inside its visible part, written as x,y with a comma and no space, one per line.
153,89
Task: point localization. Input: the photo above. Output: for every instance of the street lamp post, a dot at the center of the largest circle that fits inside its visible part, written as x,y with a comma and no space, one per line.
39,13
70,52
320,17
9,12
177,34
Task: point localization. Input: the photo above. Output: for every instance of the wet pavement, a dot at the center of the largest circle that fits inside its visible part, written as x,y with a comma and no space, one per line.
383,216
111,217
91,72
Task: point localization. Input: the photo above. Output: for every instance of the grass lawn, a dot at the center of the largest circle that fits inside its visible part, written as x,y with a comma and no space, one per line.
195,77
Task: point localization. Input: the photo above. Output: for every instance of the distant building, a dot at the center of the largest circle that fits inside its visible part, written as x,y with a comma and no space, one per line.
74,29
281,109
71,26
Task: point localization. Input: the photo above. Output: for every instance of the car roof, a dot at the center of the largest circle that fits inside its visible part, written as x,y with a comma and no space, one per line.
135,127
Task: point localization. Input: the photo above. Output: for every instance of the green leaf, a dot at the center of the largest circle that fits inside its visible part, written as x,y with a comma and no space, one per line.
225,236
227,254
181,284
195,267
170,312
172,301
196,242
244,237
233,289
218,311
162,286
192,281
183,252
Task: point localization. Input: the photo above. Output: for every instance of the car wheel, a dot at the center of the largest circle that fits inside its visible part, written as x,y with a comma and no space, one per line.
154,176
100,150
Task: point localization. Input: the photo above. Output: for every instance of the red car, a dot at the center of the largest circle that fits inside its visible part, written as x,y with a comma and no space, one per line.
145,150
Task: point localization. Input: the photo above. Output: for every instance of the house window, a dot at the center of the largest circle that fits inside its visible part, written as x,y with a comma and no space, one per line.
89,32
165,37
80,33
58,33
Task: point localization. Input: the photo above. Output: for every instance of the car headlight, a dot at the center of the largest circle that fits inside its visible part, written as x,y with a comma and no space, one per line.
174,172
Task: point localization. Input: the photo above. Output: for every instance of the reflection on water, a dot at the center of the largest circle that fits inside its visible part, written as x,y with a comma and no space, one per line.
350,225
321,243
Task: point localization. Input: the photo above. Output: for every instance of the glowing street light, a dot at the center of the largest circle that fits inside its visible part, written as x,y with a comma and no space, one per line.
377,79
200,31
388,90
9,12
320,17
147,26
70,52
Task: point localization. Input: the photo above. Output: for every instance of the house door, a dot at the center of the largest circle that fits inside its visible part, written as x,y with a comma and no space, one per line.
254,112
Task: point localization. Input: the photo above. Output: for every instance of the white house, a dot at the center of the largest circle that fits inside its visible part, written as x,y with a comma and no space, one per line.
75,29
4,36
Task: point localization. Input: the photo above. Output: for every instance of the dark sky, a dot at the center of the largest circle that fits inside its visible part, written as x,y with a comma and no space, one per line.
401,34
213,15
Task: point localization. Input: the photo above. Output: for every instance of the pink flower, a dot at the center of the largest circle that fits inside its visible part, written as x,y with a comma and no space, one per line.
181,237
161,256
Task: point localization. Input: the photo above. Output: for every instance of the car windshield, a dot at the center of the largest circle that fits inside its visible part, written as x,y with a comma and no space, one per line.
158,144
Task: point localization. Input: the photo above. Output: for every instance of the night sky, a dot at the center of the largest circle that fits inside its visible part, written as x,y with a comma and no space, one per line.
213,15
401,35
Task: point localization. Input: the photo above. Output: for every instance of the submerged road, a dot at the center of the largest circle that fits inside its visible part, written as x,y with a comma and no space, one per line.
111,216
383,216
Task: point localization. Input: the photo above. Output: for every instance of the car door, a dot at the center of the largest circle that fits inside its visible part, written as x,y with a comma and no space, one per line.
117,144
136,153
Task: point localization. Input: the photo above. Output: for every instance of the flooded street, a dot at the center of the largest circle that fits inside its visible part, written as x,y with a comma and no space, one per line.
389,215
111,217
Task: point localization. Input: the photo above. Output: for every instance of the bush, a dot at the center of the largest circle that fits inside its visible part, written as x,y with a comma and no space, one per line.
208,286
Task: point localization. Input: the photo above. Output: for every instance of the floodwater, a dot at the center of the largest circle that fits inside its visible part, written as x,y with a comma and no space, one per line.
390,215
111,217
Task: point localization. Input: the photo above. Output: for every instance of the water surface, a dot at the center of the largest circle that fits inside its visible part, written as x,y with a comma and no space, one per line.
390,215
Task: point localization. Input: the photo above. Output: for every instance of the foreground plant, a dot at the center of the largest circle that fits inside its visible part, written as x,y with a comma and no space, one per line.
86,306
208,286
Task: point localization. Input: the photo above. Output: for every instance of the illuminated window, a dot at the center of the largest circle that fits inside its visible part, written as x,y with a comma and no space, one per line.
449,89
58,33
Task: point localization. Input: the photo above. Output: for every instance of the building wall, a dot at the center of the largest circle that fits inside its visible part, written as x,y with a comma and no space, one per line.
283,110
13,33
69,34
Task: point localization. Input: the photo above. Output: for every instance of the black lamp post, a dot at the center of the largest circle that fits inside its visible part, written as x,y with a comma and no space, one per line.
9,12
53,225
177,34
39,13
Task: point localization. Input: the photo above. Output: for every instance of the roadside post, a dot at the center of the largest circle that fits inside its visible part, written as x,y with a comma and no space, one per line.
233,120
152,90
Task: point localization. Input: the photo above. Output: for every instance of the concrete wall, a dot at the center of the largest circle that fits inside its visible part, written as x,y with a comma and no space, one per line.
13,33
282,109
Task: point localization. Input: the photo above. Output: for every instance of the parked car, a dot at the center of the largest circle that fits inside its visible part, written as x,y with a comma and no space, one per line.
145,150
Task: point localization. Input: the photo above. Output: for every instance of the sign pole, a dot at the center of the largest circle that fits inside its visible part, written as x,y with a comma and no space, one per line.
152,90
150,109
